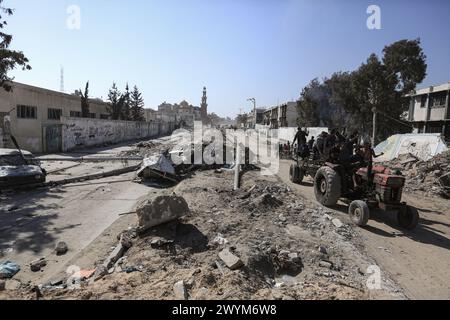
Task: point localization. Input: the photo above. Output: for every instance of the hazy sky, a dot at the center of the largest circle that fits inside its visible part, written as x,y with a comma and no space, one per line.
267,49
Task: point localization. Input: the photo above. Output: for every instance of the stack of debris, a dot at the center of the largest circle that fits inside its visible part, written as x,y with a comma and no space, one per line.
431,177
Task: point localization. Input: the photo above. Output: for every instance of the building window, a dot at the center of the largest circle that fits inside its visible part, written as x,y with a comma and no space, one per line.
75,114
438,100
54,114
92,115
26,112
423,101
104,116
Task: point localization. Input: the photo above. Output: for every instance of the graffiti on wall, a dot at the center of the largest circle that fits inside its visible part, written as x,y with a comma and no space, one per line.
79,133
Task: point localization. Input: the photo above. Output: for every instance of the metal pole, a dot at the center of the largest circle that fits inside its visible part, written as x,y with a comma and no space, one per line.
237,166
256,115
374,124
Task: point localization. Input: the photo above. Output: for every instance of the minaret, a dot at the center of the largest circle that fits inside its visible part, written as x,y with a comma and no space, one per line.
61,84
204,105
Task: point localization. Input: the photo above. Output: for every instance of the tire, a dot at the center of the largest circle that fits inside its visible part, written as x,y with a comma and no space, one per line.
301,175
408,218
359,213
294,174
327,186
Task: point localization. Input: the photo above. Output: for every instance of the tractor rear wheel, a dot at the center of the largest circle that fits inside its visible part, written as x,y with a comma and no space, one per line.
408,218
359,213
295,174
327,186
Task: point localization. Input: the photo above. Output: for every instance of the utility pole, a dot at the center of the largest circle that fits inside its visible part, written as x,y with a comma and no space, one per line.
254,108
372,101
374,124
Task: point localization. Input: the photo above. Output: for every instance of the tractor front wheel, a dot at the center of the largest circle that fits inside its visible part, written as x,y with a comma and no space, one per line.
408,218
359,213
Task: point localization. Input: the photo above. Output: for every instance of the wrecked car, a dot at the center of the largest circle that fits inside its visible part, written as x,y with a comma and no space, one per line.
19,168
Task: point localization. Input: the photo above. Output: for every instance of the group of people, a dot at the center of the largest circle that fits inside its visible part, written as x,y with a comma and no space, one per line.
335,147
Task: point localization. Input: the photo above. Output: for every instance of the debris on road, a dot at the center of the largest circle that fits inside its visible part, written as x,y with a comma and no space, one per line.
429,177
37,265
157,167
124,244
235,245
337,223
179,290
8,269
61,248
161,210
231,261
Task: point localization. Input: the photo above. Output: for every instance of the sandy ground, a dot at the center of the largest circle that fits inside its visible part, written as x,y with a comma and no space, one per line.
417,260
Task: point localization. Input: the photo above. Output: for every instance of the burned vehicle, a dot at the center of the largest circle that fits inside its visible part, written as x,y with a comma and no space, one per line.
19,168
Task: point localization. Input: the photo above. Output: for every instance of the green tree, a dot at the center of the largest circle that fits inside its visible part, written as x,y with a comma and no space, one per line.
125,104
114,96
406,59
137,105
85,112
9,59
380,85
307,106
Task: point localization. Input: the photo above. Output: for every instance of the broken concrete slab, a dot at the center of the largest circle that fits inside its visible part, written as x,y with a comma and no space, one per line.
231,261
118,252
157,166
179,290
337,223
161,210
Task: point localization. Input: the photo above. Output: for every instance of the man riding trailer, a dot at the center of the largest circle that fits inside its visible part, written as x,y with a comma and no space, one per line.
304,161
300,138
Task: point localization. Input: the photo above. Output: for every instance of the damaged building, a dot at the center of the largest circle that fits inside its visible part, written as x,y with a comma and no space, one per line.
33,115
47,121
429,110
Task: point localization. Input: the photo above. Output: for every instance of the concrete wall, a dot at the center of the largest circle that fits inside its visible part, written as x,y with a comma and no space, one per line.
81,133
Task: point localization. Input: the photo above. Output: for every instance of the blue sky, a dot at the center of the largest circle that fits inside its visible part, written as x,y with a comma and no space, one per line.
267,49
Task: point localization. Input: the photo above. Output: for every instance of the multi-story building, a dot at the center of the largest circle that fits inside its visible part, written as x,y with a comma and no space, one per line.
429,110
284,115
253,119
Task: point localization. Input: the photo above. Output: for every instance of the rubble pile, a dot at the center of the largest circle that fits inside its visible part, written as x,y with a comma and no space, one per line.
204,240
431,177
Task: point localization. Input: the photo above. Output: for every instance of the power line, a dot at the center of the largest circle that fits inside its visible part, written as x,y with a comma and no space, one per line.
396,120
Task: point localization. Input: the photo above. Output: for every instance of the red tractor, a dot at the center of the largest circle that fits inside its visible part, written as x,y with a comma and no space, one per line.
381,189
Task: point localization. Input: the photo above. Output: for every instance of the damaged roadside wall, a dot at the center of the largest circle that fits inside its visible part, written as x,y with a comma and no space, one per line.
83,132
